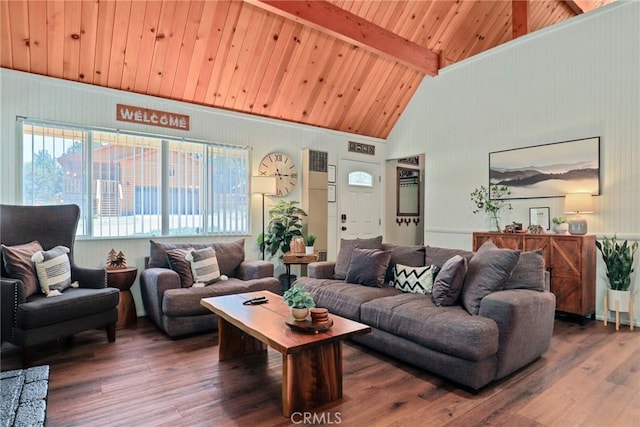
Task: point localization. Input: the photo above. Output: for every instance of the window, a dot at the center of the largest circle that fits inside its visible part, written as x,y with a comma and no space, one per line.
129,184
360,179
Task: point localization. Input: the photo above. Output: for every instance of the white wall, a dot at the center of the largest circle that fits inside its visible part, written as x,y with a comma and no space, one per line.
574,80
44,98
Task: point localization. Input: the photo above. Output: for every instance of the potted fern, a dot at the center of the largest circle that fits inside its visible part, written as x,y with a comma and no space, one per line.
618,259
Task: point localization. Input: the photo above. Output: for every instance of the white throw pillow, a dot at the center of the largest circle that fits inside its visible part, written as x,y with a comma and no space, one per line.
204,266
417,280
54,270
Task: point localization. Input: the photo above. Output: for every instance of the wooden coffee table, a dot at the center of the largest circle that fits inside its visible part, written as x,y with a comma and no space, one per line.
311,363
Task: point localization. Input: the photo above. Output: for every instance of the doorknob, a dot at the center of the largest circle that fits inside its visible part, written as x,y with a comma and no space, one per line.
344,228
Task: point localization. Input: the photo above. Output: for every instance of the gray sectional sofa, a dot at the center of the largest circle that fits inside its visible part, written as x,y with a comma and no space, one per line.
511,326
173,303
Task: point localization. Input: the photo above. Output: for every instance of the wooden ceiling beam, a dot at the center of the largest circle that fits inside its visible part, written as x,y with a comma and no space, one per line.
346,26
580,6
519,18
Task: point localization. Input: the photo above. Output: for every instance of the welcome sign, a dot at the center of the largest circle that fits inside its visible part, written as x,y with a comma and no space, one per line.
147,116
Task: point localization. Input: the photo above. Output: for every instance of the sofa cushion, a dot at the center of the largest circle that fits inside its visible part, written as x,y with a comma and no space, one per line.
74,303
414,279
179,264
229,254
204,265
346,249
412,256
54,270
342,298
449,280
449,330
186,301
368,267
18,265
438,256
489,269
528,273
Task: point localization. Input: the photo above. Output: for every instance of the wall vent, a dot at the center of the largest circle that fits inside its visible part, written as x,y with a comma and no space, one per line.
318,161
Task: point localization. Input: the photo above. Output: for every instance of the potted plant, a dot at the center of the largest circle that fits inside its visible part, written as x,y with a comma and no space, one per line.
618,259
309,241
491,200
299,301
560,224
285,224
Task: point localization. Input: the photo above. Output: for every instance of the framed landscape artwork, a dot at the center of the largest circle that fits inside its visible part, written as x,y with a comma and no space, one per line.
550,170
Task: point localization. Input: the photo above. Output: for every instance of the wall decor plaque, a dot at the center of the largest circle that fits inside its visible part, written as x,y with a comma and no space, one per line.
147,116
360,147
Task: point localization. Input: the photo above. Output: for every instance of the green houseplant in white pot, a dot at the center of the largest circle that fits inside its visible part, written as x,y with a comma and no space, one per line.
309,241
560,224
618,259
299,301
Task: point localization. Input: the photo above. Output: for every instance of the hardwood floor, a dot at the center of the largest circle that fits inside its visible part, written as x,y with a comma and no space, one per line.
589,377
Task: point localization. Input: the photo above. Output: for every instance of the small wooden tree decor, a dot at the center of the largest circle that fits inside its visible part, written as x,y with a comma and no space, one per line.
115,260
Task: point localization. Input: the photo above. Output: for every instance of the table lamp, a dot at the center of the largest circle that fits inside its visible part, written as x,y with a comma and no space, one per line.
578,203
263,185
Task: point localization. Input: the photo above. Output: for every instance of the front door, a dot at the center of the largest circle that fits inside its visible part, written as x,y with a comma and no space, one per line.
359,200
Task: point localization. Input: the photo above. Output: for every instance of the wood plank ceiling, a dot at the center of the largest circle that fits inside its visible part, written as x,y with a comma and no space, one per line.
252,57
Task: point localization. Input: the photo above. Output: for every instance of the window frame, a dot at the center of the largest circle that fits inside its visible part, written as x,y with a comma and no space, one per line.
209,151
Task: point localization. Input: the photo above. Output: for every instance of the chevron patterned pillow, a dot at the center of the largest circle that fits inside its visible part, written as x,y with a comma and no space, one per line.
418,280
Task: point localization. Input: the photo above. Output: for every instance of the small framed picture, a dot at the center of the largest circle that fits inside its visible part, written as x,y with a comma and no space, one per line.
331,194
331,173
540,216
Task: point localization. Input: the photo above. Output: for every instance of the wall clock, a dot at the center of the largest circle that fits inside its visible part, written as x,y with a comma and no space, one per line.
283,168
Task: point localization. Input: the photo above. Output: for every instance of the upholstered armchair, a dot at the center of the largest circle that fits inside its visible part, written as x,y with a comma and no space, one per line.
28,316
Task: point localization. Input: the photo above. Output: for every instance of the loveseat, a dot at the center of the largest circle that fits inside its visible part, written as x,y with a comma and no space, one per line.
500,323
172,299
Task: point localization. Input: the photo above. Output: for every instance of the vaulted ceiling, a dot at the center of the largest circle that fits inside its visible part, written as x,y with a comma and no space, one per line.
345,65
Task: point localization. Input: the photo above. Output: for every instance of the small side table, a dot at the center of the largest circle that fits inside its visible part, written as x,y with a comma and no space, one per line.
291,258
123,278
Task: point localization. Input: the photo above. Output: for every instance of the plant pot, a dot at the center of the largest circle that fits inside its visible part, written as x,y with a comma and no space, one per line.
561,228
621,297
297,245
308,250
493,223
299,314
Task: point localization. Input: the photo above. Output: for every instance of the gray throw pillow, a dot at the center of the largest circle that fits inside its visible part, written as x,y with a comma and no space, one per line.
179,264
368,267
438,256
346,249
449,281
229,255
528,273
489,269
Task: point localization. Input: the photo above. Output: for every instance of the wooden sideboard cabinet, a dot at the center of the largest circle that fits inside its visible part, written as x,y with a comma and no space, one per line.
570,260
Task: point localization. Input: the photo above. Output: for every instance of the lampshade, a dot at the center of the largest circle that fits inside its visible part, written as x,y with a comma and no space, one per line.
578,203
263,184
